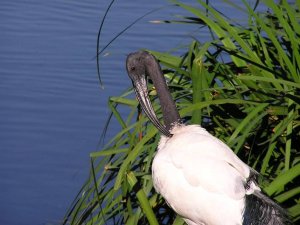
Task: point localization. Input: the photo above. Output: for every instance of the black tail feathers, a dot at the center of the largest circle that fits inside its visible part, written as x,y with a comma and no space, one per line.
261,210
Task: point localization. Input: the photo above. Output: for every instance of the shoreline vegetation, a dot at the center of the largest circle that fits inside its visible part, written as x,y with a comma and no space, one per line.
243,86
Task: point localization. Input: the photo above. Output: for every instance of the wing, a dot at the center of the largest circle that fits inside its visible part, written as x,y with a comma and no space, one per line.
207,162
200,176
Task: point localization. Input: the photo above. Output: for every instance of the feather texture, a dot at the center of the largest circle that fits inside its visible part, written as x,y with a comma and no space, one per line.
198,174
261,210
207,184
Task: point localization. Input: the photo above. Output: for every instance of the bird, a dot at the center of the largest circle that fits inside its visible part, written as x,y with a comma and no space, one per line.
197,174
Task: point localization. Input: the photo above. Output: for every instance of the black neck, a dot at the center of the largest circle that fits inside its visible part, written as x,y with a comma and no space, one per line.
170,113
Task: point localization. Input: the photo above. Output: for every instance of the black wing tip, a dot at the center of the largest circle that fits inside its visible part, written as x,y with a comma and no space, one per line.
261,210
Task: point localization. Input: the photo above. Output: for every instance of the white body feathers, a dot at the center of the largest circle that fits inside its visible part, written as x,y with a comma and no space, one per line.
200,177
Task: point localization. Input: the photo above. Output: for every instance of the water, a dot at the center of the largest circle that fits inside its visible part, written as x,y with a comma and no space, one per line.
52,110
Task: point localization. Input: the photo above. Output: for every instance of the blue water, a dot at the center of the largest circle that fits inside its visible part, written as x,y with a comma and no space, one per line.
52,109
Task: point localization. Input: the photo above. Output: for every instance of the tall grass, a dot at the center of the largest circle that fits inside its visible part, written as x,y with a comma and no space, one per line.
243,86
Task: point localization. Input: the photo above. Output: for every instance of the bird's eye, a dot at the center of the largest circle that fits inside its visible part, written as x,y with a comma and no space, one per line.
132,68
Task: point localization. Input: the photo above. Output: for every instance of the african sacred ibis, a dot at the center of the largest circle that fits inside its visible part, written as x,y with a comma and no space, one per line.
197,174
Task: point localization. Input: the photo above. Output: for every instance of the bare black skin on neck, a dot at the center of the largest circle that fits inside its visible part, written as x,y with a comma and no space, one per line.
142,64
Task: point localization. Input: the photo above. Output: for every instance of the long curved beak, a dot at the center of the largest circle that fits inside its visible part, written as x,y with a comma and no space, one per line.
141,90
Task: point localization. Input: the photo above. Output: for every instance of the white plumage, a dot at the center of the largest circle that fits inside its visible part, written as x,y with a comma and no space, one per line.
193,166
